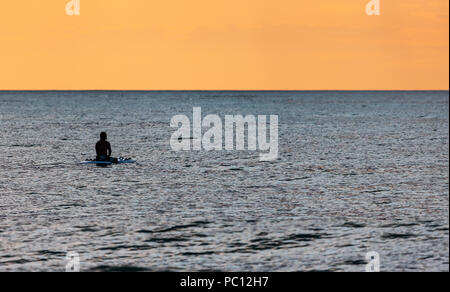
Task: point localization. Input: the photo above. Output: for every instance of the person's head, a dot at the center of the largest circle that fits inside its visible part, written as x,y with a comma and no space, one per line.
103,136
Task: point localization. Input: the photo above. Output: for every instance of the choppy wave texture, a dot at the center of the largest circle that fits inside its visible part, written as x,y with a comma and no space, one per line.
358,171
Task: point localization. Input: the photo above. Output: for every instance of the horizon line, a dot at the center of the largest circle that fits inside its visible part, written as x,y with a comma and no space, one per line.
230,90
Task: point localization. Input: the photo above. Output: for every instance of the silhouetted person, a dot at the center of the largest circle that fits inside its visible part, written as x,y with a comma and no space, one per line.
103,148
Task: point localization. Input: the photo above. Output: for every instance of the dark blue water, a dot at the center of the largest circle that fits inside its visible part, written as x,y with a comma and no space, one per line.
357,172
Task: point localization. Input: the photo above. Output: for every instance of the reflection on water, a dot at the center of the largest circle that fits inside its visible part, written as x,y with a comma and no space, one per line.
358,171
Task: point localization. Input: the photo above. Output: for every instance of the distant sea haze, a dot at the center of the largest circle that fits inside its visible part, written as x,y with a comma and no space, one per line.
357,171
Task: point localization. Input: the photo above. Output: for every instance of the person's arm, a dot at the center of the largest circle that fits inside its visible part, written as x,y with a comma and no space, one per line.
109,150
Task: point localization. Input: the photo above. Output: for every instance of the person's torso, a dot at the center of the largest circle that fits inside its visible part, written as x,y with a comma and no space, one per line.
102,148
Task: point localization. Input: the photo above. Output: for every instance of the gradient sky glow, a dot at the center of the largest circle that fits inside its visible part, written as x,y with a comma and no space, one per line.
217,44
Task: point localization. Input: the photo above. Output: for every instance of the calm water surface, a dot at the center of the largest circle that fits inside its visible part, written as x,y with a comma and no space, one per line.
358,171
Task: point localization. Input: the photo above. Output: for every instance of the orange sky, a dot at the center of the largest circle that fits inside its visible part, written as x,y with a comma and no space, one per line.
218,44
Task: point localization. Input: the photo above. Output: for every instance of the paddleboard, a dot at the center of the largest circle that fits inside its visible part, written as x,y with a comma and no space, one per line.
119,161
